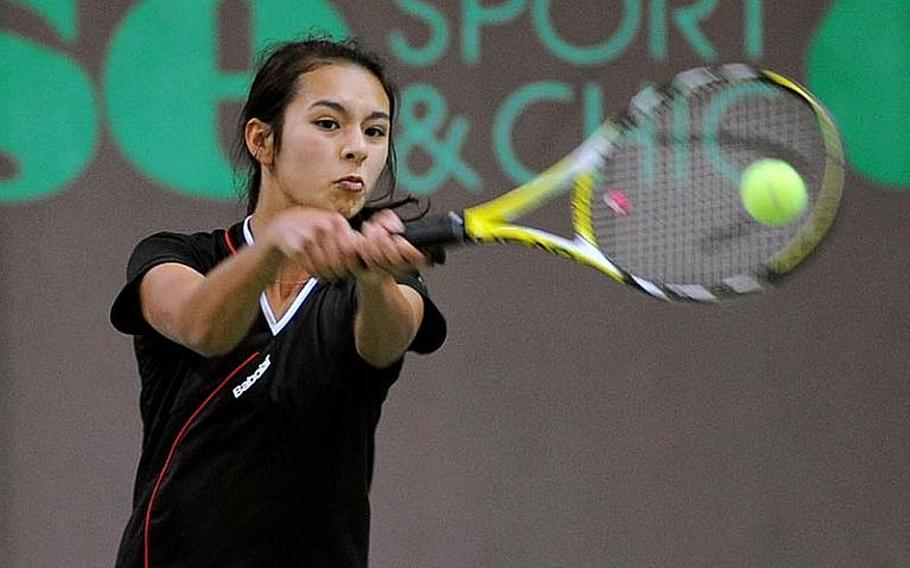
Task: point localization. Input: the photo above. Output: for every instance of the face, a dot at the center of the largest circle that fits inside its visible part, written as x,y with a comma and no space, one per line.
335,142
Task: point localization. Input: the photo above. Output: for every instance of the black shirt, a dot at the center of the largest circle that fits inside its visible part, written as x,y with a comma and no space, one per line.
264,456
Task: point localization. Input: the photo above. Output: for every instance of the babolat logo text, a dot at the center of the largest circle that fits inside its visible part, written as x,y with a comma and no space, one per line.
251,380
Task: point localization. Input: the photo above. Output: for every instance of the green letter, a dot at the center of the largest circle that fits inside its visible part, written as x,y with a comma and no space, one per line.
509,113
593,97
755,29
476,16
686,20
859,66
163,85
658,28
714,116
439,35
610,49
49,118
61,14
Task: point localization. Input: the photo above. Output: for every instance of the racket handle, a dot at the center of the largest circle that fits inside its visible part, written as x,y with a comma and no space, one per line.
434,233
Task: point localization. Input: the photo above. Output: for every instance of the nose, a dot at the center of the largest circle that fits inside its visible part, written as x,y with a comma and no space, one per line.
355,147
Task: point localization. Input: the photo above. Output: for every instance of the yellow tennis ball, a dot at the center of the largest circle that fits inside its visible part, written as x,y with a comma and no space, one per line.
772,192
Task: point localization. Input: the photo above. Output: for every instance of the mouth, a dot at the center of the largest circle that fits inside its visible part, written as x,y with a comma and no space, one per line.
350,183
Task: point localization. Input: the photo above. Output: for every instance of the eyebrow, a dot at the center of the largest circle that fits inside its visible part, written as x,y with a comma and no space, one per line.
340,108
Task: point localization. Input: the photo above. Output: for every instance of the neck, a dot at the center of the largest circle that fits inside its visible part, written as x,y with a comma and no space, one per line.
288,282
290,275
258,221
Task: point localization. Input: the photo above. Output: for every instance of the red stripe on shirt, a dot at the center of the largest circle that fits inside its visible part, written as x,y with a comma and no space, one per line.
230,243
170,456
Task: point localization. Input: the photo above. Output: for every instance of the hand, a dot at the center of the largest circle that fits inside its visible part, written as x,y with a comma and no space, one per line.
384,249
322,242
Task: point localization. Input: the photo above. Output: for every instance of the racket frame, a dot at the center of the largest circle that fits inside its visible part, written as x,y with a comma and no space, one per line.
493,221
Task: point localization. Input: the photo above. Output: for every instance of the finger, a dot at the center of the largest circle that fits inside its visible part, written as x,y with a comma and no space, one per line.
350,248
342,246
388,220
410,254
325,254
395,254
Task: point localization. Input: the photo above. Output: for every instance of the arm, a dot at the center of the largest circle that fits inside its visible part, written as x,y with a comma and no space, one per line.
211,314
387,319
388,314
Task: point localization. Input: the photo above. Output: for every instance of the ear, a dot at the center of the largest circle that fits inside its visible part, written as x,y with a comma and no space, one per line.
259,141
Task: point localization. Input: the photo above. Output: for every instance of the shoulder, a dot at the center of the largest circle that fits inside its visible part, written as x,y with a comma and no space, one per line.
201,251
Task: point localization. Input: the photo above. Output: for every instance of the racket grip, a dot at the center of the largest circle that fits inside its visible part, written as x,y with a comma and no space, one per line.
434,233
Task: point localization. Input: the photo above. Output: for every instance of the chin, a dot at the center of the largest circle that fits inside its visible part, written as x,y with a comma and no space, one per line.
348,210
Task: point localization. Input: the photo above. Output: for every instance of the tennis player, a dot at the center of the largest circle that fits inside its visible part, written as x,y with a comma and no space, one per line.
266,349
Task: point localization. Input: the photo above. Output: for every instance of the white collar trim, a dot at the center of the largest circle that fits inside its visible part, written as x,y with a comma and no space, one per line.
275,324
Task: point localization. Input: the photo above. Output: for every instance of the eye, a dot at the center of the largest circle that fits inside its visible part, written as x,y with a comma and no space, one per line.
375,132
327,124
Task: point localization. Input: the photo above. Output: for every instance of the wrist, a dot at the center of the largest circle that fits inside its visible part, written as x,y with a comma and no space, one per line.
374,278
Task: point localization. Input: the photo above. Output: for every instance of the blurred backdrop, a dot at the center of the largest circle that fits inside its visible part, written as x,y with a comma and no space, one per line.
567,421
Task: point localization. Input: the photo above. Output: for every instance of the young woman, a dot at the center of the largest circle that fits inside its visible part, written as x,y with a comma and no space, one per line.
266,349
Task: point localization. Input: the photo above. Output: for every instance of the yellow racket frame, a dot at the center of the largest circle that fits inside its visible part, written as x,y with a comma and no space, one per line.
492,221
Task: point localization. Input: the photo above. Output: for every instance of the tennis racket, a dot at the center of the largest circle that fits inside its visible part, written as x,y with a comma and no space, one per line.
655,198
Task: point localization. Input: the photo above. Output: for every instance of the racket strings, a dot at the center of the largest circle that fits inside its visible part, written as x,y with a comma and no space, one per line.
680,168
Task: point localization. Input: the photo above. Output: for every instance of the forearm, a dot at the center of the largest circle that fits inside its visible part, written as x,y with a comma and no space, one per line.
216,311
387,318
